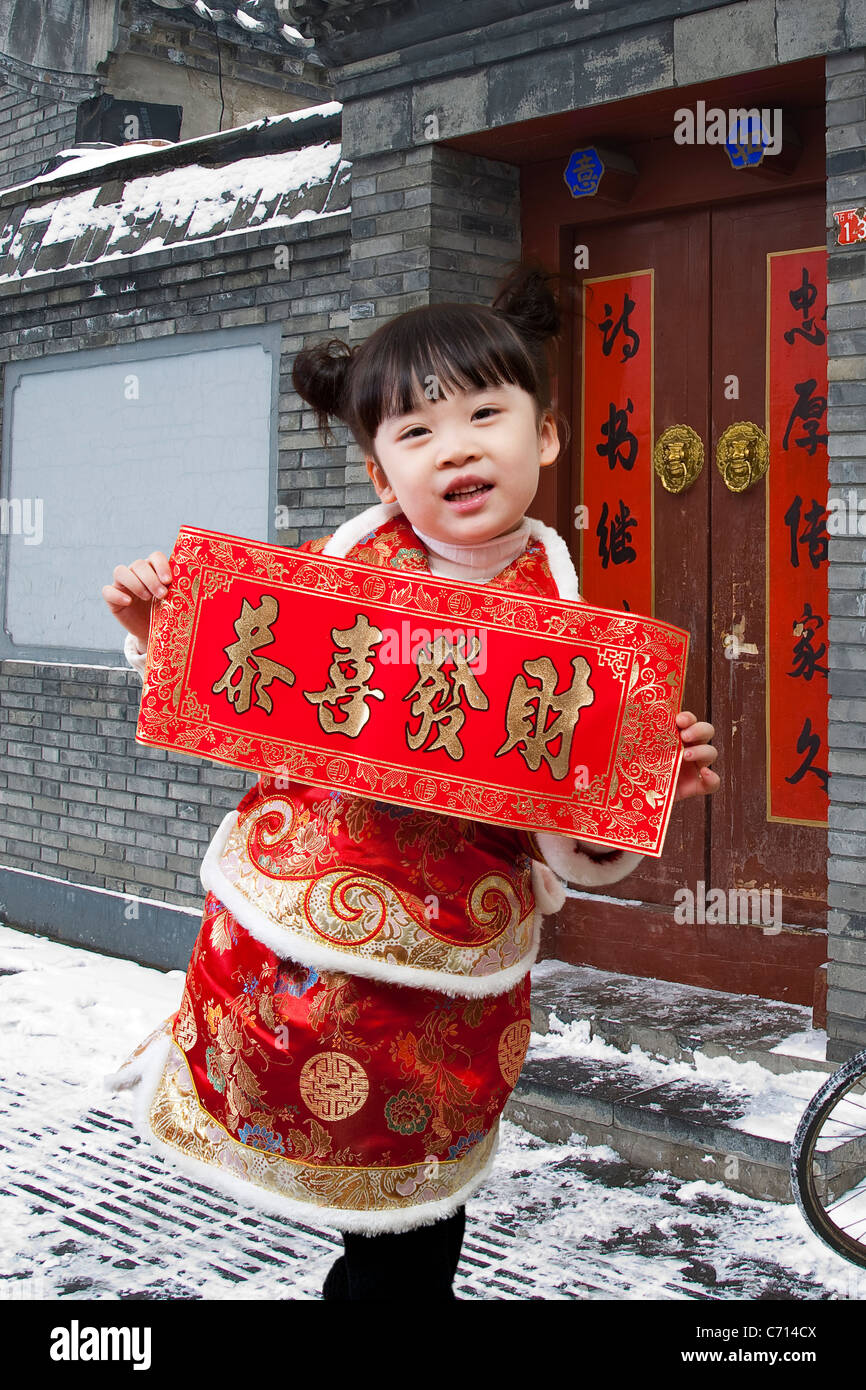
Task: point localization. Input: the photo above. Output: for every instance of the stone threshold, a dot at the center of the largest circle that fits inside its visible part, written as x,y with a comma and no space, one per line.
686,1125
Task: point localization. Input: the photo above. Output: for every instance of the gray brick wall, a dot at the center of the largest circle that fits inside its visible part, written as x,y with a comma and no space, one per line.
80,799
37,118
846,323
428,224
559,58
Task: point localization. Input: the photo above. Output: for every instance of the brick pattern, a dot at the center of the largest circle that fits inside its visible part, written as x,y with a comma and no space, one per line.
37,119
846,323
81,800
428,224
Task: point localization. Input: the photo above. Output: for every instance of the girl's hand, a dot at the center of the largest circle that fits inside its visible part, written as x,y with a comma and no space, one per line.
133,591
696,777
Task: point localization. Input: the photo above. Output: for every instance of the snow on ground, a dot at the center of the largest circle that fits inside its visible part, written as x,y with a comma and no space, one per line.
554,1222
72,1015
774,1102
810,1043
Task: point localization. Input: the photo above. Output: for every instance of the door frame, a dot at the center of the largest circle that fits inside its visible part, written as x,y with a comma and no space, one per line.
642,939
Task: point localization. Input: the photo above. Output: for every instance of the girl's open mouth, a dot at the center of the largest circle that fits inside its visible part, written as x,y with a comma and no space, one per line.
468,498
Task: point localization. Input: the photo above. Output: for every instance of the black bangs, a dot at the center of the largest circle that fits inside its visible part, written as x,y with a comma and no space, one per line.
435,350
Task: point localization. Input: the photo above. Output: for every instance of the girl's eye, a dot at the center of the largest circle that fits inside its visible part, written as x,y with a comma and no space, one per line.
412,433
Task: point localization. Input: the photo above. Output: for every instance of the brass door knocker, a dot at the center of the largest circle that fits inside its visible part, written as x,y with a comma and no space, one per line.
678,457
742,455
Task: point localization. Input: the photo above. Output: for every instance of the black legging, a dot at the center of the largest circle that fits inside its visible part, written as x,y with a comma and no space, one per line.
403,1263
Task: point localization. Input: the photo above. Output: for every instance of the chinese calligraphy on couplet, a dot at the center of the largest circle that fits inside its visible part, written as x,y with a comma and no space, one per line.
415,691
617,470
797,538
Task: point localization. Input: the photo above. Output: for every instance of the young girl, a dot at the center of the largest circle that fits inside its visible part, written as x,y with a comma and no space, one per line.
342,1054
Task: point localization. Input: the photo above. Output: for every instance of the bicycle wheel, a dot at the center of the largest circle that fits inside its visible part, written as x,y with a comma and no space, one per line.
828,1161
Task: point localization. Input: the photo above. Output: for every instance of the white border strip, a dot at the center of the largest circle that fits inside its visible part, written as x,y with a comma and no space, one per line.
142,1076
92,888
291,946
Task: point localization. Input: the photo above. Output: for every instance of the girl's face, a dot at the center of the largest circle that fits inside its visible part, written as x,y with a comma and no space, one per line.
485,440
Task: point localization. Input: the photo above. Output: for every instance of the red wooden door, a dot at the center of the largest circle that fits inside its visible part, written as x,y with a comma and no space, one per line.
672,528
783,845
697,284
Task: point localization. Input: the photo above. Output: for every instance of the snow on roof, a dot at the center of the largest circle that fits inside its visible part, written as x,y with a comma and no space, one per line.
246,21
92,159
178,205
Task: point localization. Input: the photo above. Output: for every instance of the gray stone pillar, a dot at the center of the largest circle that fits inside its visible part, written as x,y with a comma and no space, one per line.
428,224
846,341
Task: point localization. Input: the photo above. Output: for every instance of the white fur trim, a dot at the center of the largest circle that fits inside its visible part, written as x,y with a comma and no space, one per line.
350,532
142,1074
561,567
548,888
134,655
321,957
561,852
558,558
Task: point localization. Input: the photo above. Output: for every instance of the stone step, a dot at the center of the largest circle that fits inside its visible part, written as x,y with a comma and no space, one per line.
673,1020
683,1127
649,1111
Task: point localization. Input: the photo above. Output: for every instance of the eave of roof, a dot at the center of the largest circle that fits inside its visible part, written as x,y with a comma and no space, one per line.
350,31
87,230
311,125
246,23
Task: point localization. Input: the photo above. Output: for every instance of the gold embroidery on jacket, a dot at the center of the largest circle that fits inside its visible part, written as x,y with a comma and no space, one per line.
337,1008
513,1045
358,913
180,1121
333,1085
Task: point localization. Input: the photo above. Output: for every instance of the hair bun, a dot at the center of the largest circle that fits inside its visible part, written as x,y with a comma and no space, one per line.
526,297
319,376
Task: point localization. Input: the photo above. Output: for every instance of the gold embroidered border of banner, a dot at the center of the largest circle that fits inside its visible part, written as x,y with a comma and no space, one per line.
627,757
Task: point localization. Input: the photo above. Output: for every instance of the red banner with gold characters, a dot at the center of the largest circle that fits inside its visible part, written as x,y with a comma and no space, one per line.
616,484
408,688
797,590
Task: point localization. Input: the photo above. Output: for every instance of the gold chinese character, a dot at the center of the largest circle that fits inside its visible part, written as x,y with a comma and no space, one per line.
434,685
529,726
253,630
348,688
